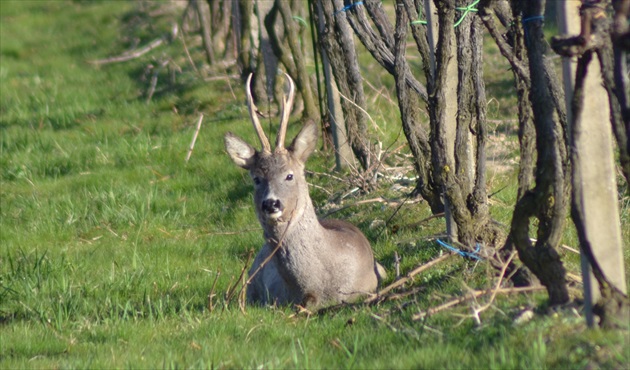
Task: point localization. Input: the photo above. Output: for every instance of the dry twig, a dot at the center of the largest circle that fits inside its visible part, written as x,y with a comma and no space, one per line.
474,294
408,277
478,310
392,203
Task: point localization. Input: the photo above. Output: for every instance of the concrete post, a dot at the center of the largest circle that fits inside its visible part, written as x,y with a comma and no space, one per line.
599,197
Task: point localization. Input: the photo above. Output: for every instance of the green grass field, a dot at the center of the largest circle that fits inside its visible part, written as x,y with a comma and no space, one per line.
110,243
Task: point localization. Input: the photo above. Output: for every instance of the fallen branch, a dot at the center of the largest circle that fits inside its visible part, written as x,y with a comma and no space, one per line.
474,294
407,278
419,223
478,310
131,54
392,203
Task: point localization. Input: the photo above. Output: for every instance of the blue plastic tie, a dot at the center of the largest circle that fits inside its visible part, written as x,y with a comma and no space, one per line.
536,17
529,19
461,252
348,7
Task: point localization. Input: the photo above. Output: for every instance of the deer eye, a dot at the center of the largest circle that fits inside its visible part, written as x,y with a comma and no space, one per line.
289,177
256,181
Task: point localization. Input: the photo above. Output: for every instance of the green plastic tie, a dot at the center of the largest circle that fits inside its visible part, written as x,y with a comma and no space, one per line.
466,10
301,20
419,21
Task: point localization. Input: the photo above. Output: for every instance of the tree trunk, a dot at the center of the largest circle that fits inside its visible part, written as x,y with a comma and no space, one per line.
409,104
512,47
547,200
381,47
301,77
246,55
339,45
343,152
206,29
266,61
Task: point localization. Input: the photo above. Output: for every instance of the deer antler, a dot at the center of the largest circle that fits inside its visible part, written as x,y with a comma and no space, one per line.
266,147
287,105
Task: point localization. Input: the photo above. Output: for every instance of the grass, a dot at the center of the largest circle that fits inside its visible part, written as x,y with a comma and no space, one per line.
110,243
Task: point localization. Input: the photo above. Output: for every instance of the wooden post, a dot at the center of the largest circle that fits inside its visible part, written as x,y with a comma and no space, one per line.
599,196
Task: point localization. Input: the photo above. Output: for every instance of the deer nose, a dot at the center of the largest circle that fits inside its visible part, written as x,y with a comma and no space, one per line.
272,206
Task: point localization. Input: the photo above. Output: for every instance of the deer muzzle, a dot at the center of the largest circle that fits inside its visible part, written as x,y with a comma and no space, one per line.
272,208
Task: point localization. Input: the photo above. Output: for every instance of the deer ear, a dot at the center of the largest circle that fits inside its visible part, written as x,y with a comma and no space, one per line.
305,142
241,153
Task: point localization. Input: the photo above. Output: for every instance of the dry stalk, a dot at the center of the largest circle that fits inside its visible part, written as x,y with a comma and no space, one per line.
240,278
194,139
575,278
154,78
361,109
326,175
212,295
570,249
379,92
241,297
192,63
233,232
227,292
321,188
249,280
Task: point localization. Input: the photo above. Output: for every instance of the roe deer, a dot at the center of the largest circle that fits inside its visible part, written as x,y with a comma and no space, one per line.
304,260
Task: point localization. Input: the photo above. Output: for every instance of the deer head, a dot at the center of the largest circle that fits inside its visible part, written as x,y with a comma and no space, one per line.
280,188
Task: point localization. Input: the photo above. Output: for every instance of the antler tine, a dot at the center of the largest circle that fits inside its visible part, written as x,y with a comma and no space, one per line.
266,147
287,105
